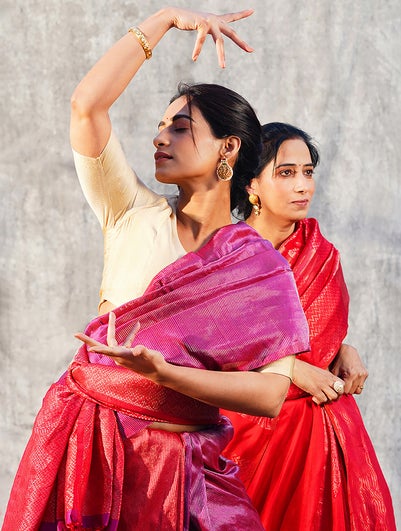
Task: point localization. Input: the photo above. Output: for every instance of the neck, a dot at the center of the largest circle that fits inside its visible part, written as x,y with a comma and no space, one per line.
200,214
274,231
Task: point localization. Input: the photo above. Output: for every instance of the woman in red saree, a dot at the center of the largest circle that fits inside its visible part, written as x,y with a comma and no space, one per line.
137,444
313,467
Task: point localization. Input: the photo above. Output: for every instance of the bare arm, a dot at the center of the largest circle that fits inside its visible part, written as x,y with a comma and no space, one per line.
104,83
250,392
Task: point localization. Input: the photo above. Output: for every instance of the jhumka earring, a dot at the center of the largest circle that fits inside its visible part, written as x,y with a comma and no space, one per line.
224,170
255,202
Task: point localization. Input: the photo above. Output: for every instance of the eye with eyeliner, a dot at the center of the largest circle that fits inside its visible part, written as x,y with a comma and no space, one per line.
291,172
288,172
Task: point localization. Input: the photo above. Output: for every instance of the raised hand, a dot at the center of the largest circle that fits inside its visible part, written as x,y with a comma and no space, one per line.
210,24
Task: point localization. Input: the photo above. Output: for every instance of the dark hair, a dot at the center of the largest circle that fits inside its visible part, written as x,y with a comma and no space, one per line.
228,113
273,135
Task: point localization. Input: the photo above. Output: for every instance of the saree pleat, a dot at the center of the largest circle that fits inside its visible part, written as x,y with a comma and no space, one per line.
313,467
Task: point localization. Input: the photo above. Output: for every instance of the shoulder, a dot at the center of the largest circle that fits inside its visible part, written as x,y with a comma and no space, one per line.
313,232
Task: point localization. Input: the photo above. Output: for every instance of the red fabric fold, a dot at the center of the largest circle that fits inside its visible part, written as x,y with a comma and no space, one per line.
313,467
81,471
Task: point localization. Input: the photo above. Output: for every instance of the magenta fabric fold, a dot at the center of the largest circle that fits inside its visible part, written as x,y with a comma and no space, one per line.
232,305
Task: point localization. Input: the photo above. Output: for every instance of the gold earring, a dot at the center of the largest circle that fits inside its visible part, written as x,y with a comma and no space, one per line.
255,202
224,170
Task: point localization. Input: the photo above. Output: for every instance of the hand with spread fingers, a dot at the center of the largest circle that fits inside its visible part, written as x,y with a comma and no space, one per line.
139,359
210,24
321,384
349,366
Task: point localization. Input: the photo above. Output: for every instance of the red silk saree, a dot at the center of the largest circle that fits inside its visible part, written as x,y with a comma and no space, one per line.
313,467
92,464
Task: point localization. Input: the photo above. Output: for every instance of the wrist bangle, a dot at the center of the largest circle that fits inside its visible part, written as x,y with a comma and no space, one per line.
142,41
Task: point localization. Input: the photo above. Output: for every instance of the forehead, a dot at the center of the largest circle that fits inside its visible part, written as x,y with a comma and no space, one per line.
180,106
293,150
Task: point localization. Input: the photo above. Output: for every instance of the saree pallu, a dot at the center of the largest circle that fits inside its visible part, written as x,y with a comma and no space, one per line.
92,463
313,467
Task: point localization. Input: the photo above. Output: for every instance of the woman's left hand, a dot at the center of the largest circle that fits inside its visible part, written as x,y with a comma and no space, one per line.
139,359
349,366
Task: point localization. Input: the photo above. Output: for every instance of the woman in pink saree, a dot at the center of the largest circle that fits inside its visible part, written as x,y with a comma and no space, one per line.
131,437
313,467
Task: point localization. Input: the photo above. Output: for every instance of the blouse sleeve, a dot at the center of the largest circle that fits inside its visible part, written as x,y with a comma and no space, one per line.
110,185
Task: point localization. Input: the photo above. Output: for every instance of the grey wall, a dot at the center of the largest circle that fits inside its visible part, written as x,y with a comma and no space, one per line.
332,68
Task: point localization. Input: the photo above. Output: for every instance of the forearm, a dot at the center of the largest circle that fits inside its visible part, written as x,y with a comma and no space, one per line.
251,392
254,393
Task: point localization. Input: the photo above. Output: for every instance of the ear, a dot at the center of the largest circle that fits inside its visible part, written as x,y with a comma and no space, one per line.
230,147
252,188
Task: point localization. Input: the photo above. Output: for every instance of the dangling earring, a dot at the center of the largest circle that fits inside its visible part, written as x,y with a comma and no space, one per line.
224,170
255,202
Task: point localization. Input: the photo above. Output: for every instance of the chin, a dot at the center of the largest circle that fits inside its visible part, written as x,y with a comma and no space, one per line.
298,217
163,179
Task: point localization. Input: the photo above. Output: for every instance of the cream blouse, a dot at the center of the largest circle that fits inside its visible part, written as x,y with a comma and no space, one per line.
139,226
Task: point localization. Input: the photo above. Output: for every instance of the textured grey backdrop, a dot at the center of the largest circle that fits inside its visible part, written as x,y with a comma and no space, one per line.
332,68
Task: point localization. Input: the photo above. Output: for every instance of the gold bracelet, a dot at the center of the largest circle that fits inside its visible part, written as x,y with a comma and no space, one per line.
143,41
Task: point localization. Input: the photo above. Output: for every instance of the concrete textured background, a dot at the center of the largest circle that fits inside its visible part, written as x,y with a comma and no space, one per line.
332,68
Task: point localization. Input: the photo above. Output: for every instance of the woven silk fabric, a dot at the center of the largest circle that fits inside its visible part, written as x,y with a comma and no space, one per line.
91,464
313,467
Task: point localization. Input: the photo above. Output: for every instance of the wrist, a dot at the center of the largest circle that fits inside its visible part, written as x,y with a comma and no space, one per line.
155,26
295,370
163,373
167,15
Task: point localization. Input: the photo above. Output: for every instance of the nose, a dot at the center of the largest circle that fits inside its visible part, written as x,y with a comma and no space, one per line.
301,184
161,139
300,187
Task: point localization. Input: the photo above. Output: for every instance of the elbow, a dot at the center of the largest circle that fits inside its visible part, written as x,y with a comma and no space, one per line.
84,104
272,404
274,410
273,407
80,106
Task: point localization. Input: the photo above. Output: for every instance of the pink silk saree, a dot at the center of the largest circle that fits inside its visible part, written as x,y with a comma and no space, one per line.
91,463
313,467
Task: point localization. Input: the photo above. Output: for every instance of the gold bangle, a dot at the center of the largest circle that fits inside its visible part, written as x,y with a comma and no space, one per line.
143,41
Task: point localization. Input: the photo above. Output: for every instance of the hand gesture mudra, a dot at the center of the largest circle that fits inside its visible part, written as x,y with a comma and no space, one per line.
139,359
210,24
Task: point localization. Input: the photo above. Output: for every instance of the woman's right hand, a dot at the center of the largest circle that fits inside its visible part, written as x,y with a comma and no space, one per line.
316,381
210,24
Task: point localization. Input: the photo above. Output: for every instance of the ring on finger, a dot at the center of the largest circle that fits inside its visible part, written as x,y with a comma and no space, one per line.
338,387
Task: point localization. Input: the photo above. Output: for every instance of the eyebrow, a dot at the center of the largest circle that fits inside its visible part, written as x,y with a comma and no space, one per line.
175,118
290,164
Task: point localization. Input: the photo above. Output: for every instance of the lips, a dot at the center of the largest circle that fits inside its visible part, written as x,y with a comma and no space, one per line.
160,155
301,202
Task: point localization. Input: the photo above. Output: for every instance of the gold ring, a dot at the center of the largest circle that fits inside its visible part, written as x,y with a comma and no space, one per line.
360,387
338,387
